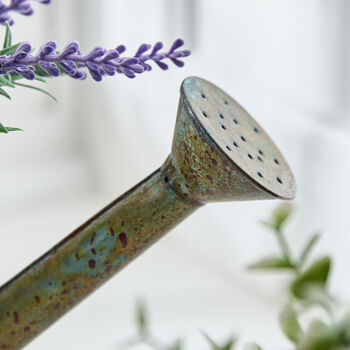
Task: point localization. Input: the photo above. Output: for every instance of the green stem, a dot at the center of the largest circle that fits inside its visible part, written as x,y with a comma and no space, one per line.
286,252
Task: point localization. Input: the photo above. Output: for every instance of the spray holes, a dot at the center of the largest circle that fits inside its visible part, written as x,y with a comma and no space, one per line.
276,161
250,156
243,139
279,180
261,160
235,121
226,103
256,130
166,179
205,114
221,116
223,126
235,144
261,152
203,96
260,174
229,148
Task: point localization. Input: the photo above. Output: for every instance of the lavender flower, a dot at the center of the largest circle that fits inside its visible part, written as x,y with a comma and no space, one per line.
20,6
99,62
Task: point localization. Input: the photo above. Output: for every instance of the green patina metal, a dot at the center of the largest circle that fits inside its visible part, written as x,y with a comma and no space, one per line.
70,271
201,168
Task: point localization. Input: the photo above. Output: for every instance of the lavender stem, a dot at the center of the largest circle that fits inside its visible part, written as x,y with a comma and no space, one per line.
99,62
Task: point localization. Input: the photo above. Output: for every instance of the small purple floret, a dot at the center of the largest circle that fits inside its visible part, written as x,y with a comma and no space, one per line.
99,62
20,6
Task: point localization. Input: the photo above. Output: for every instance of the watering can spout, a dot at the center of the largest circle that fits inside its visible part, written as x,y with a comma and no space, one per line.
219,153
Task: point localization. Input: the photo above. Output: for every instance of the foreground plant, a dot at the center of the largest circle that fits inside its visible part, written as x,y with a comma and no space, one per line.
18,62
99,62
22,7
307,293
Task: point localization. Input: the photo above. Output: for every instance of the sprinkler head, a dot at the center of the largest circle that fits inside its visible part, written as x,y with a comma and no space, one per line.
220,153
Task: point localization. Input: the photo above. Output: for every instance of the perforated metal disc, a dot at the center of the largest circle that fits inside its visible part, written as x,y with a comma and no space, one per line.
239,136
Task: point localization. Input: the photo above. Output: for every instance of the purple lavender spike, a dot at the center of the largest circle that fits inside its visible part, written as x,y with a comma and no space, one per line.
49,67
95,74
69,67
99,62
162,65
108,68
22,7
177,62
137,68
146,66
71,48
25,72
24,47
130,61
158,46
79,75
47,49
101,71
128,72
121,49
142,49
96,52
110,55
177,43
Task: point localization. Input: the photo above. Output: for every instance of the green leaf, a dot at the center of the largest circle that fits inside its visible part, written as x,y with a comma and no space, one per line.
280,215
4,93
320,336
315,276
8,37
36,88
308,248
6,81
40,79
42,73
15,77
3,129
178,345
290,324
7,129
272,263
141,319
229,344
9,50
344,331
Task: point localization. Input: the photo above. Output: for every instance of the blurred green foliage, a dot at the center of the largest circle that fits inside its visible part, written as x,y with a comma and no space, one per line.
307,292
227,345
11,80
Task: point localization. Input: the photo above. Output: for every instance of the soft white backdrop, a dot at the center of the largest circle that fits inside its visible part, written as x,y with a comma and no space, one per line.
286,61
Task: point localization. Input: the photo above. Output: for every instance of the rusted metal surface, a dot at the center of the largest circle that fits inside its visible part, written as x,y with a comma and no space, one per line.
88,257
204,166
222,152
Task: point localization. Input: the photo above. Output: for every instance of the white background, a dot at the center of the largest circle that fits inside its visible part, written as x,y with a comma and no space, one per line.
286,61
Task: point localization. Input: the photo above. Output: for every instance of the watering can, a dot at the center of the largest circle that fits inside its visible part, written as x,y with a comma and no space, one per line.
219,153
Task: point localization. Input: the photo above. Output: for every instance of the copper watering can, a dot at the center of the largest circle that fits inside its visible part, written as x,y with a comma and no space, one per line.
219,153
